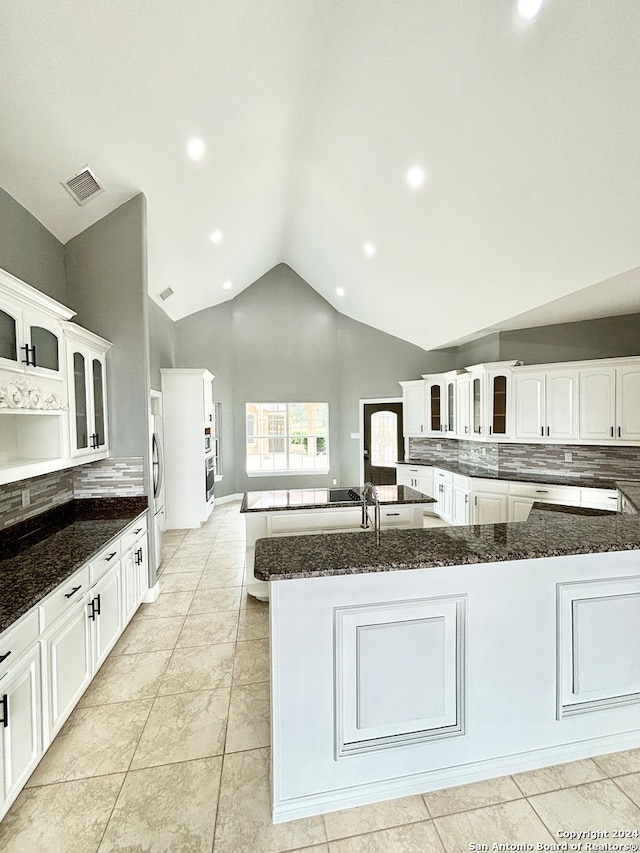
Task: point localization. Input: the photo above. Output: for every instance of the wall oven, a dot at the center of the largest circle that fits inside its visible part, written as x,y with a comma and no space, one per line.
209,476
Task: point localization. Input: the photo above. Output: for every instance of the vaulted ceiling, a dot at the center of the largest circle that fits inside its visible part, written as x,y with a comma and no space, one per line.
311,113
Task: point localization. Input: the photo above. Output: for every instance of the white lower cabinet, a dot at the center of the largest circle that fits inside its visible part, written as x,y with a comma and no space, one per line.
461,502
489,503
134,567
443,493
21,724
105,612
49,656
67,660
519,508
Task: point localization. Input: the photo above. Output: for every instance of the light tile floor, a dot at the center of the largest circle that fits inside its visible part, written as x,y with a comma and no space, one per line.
169,748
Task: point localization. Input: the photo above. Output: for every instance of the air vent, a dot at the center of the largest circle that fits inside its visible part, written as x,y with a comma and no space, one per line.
166,293
83,186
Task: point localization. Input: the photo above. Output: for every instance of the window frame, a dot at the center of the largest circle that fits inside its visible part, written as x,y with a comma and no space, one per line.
317,429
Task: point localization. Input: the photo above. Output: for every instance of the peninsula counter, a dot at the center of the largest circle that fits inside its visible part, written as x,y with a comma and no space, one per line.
449,655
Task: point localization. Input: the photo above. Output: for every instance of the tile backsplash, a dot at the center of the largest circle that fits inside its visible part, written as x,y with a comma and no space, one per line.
45,492
590,462
109,478
105,478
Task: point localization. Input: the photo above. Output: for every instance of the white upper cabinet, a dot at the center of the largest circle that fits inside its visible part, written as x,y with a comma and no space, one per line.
436,402
595,402
547,405
628,403
413,407
88,425
31,337
610,402
463,405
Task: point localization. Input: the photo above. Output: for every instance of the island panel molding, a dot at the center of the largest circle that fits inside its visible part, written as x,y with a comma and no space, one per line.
385,698
597,626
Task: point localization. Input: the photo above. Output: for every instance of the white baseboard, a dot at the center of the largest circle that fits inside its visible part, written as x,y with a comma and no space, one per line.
151,594
227,499
448,777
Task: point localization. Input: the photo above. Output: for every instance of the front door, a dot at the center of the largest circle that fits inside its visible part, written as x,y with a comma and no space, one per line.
382,442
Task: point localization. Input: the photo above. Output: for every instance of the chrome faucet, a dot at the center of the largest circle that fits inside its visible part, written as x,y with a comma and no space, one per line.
370,496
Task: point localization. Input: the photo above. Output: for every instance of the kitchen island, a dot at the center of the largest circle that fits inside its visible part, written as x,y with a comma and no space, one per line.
450,655
286,512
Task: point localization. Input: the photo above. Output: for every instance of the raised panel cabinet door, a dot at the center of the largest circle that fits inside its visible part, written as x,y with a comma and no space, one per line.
460,506
68,650
529,399
489,509
20,725
105,612
597,389
628,403
519,508
141,564
413,408
561,404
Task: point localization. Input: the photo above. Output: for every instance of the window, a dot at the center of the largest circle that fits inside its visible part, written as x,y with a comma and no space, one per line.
287,437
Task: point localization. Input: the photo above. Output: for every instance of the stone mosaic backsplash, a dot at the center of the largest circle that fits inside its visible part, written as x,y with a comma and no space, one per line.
104,478
45,492
109,478
605,462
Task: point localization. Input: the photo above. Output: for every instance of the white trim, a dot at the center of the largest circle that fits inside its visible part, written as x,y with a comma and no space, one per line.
151,594
449,777
19,289
227,499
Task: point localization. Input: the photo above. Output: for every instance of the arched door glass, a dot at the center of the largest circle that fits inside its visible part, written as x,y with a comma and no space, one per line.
384,442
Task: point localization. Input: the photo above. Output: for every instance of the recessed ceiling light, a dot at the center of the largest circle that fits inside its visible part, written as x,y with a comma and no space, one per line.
227,285
369,249
529,9
196,148
216,236
340,291
415,177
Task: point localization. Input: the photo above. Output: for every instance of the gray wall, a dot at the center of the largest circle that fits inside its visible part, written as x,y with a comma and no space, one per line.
162,342
107,286
608,337
279,340
29,251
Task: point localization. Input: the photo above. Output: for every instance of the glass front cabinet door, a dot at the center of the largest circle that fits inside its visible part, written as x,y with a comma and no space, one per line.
30,341
88,421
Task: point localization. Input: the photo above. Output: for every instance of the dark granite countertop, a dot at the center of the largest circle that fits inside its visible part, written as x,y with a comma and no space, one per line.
513,476
292,499
38,554
550,531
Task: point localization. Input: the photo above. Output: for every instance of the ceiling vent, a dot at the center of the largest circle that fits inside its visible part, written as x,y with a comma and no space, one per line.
166,293
83,186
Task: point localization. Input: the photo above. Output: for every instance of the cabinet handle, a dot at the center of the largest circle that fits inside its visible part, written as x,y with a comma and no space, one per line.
73,592
466,499
110,557
542,431
490,430
389,514
94,604
542,491
475,500
611,432
547,432
26,349
5,656
138,556
137,531
4,704
619,432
